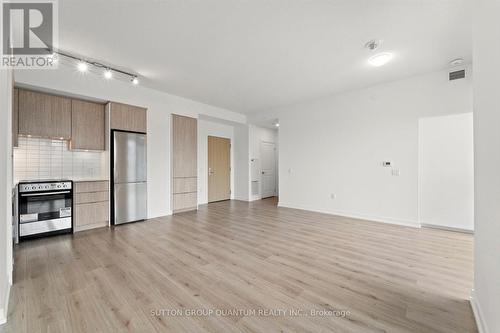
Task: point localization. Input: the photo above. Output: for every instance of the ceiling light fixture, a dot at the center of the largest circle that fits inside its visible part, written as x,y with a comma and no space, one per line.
108,74
88,65
380,59
277,124
82,66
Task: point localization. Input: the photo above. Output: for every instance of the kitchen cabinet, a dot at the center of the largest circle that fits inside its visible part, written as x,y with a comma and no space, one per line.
184,146
87,125
15,117
184,164
91,205
128,118
44,115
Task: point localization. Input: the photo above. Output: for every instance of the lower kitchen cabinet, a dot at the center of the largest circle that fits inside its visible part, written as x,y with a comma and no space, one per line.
91,205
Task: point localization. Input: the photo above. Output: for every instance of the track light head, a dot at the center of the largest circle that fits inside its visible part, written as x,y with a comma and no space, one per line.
82,66
108,74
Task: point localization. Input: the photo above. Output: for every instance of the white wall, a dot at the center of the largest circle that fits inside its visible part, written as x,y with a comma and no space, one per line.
335,147
241,162
486,296
210,128
446,171
257,135
160,107
5,190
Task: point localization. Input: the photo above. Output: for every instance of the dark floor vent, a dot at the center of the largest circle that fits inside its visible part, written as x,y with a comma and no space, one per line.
457,75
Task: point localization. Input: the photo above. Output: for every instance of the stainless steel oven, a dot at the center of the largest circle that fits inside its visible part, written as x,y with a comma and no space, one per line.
44,208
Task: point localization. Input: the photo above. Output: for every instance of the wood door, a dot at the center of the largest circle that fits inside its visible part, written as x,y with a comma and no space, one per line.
87,125
268,166
219,169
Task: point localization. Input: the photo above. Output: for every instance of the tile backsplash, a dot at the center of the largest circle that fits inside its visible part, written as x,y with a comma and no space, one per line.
50,159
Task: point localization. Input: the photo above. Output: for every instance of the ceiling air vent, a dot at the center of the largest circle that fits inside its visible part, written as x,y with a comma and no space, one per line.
457,75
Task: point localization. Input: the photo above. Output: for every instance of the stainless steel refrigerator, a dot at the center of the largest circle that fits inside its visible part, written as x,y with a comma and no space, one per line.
129,175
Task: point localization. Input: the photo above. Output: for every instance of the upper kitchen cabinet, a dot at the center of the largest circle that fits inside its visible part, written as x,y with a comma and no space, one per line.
15,117
44,115
87,125
128,118
184,147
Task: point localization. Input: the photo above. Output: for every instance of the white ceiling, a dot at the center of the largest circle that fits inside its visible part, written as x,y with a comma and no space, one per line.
249,56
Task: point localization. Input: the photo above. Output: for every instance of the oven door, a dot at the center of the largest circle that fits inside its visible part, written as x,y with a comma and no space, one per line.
44,212
44,206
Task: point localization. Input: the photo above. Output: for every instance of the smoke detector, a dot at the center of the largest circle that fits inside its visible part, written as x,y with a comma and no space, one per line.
456,62
373,44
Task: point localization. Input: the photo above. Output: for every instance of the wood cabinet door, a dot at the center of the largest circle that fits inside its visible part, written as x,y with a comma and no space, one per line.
44,115
91,213
15,118
87,125
184,146
60,117
34,113
128,118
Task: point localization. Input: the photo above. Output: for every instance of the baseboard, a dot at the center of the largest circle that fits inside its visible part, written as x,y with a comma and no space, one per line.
433,226
4,309
388,220
478,314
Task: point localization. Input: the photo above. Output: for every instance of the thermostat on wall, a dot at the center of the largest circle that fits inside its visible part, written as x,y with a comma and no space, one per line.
386,164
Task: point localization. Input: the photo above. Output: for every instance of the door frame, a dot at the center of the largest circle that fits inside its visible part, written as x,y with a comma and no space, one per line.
231,175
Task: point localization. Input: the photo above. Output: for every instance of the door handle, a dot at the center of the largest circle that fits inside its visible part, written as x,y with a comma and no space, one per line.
210,171
42,194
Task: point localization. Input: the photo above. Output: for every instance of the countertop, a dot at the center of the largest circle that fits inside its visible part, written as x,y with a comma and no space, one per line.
89,180
75,180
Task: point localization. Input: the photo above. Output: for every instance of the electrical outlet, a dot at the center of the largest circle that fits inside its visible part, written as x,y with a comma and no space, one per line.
332,196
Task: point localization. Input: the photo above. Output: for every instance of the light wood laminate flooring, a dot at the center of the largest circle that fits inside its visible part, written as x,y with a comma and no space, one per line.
245,267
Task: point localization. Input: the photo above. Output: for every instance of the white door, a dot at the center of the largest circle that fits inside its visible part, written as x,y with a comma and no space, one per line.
268,169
